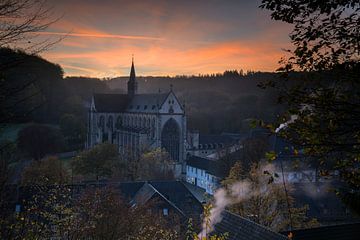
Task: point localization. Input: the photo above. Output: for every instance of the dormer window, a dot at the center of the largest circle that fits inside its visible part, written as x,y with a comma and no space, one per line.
145,107
153,107
138,107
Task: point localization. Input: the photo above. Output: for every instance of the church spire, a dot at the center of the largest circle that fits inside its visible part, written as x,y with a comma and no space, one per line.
132,83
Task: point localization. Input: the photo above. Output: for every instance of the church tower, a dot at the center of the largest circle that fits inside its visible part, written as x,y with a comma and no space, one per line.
132,83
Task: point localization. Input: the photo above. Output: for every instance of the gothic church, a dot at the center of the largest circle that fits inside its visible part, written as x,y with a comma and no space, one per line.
135,122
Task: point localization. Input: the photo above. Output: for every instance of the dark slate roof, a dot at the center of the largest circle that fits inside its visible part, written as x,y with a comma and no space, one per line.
210,166
123,103
111,102
198,192
343,232
144,194
179,195
146,102
212,139
236,136
129,189
239,228
148,192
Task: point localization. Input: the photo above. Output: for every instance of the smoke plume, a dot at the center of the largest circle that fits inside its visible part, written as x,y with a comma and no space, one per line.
236,193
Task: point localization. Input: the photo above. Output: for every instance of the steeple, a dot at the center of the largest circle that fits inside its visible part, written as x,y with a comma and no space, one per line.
132,83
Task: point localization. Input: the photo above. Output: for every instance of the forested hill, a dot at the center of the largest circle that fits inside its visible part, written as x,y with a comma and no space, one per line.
215,103
35,90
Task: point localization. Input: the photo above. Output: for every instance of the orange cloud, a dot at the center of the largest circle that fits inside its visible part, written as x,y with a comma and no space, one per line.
99,35
163,59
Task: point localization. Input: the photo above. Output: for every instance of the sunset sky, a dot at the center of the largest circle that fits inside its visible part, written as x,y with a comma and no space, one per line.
166,37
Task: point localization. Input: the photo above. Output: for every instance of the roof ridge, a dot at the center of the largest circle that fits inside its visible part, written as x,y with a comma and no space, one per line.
171,203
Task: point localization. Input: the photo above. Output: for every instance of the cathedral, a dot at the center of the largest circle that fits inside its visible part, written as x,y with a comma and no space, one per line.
136,122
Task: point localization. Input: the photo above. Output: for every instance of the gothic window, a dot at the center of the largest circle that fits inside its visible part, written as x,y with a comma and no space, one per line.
119,122
170,138
110,122
144,123
101,123
148,122
153,129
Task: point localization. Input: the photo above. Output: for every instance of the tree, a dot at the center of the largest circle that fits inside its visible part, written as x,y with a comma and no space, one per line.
44,213
325,35
19,22
153,164
38,140
323,106
99,161
267,203
45,171
73,130
102,213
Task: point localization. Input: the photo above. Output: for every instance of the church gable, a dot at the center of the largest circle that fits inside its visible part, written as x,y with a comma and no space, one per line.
171,105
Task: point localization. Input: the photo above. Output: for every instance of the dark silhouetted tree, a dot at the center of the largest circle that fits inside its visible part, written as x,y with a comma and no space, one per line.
38,140
324,105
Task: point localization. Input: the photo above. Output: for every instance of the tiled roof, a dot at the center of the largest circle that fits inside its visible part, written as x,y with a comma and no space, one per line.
129,189
148,192
337,232
239,228
146,102
198,192
212,139
179,195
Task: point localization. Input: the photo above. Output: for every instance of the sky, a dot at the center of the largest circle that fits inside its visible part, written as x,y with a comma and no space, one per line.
183,37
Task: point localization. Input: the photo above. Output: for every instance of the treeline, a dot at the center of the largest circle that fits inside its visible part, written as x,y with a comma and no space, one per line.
219,102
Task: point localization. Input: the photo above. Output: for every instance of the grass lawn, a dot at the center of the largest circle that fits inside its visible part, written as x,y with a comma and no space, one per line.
9,132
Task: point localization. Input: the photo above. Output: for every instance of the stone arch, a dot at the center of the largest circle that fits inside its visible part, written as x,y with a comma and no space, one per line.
170,139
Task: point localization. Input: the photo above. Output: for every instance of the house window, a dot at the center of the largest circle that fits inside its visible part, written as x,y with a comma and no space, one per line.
165,211
17,208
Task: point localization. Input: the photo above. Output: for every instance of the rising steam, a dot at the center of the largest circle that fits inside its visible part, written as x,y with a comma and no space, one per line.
236,193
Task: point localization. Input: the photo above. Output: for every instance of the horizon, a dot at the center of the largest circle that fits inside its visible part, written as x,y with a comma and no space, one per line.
166,38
